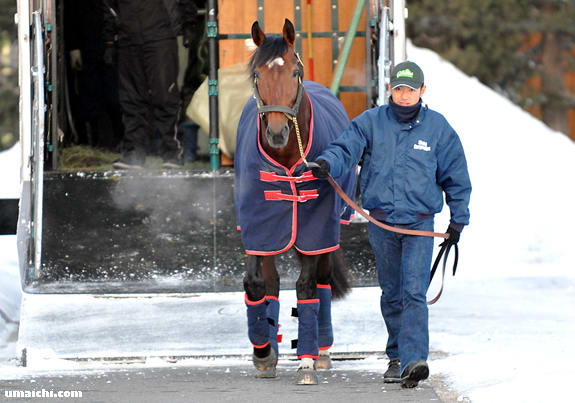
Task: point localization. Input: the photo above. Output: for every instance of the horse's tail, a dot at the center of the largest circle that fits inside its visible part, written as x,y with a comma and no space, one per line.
340,277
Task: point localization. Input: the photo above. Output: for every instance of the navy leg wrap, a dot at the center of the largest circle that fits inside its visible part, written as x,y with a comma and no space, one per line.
273,313
307,346
258,328
325,331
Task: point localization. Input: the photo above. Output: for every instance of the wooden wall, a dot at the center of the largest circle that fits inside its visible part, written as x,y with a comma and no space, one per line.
237,17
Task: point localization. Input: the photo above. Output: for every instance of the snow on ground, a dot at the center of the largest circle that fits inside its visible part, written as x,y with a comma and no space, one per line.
10,296
507,321
9,167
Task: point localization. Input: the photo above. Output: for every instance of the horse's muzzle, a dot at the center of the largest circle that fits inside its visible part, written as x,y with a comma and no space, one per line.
278,140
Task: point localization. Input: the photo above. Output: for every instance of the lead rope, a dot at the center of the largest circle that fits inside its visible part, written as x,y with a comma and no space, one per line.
362,212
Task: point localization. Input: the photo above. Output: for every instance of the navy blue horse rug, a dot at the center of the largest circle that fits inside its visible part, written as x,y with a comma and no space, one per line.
278,207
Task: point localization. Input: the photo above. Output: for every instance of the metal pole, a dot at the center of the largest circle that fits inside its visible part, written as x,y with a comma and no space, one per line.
369,81
309,40
38,139
348,42
52,143
214,55
399,16
24,83
385,61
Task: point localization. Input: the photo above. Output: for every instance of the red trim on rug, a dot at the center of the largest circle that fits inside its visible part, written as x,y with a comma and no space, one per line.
266,176
303,196
272,297
319,251
326,347
324,286
262,346
310,137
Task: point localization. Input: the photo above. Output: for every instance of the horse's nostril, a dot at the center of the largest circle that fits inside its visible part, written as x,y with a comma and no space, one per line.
277,139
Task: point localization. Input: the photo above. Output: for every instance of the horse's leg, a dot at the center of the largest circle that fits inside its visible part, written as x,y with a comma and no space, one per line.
264,356
307,308
325,331
272,281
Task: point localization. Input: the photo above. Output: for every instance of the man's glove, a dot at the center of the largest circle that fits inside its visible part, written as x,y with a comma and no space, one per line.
453,235
76,60
188,34
110,54
322,170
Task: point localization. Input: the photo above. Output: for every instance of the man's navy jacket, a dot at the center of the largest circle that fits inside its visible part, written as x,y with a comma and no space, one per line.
279,207
406,166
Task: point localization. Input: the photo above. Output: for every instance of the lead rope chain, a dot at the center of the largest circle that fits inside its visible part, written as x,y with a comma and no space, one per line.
294,120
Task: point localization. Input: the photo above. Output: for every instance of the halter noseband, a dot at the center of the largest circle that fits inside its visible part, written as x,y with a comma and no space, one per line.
290,112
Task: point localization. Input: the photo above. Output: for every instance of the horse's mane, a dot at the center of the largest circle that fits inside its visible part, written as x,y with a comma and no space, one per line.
273,46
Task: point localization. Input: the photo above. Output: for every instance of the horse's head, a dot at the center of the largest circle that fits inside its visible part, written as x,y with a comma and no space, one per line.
277,74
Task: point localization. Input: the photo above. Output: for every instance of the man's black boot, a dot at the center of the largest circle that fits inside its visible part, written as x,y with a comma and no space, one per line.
413,373
392,375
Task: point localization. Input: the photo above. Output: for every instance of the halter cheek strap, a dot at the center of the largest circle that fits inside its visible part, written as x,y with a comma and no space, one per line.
262,108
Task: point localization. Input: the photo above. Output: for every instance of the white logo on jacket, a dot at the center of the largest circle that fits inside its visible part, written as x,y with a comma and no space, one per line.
421,145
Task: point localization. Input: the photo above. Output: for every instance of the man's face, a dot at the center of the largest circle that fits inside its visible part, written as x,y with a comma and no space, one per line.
405,96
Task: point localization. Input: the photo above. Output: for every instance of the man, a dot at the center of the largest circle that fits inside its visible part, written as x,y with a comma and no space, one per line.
144,32
93,84
411,155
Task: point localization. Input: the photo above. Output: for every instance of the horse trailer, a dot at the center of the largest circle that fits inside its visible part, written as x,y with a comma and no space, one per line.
113,251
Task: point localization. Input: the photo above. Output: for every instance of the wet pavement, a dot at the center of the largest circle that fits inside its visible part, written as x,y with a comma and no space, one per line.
232,381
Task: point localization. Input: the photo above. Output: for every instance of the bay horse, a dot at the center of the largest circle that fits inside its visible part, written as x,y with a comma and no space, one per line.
280,205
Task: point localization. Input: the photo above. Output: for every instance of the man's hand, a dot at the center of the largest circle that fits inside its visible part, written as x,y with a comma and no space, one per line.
321,170
76,60
188,34
453,235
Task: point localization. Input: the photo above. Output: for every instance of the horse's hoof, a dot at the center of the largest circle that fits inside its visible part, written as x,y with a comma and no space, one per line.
307,376
323,362
267,373
266,366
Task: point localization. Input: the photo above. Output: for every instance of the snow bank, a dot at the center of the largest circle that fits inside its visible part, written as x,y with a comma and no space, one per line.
10,169
521,172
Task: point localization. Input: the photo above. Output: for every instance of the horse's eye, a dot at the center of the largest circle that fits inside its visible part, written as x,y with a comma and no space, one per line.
296,73
256,75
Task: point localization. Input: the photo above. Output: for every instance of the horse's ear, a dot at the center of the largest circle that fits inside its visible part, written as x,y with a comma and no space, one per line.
257,34
289,32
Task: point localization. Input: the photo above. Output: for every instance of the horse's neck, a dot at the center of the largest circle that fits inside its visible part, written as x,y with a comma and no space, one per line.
290,154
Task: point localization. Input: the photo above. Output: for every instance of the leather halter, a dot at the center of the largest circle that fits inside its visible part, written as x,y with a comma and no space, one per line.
290,112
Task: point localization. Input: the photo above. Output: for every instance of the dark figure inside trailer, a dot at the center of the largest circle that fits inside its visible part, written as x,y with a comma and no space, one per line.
280,205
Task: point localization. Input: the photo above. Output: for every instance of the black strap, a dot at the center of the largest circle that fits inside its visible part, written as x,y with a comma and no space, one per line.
445,248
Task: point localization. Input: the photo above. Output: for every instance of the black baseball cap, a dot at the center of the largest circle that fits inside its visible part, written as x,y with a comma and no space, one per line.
408,74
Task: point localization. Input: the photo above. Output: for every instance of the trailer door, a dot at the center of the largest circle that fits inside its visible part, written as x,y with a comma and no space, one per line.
32,136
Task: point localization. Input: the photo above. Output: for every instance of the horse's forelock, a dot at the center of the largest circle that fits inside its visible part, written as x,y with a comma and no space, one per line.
272,48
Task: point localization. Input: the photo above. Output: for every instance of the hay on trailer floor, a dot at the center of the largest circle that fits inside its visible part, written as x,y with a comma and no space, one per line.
80,157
